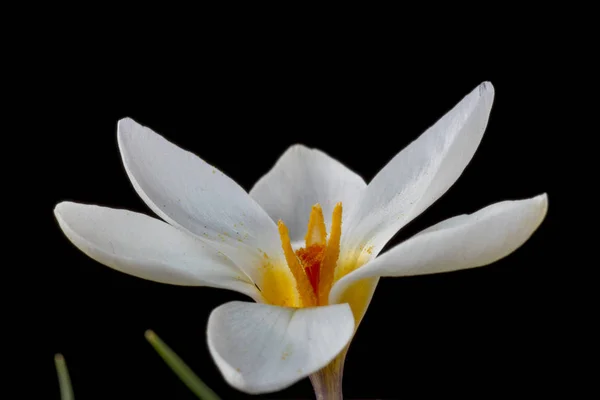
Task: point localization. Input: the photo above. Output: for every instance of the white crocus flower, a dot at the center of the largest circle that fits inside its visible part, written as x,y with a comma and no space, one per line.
311,285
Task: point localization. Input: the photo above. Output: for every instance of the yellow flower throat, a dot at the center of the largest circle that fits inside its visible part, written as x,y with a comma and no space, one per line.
313,266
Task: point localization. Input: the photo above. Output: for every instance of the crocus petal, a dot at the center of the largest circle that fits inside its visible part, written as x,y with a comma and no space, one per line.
301,178
421,173
191,194
466,241
148,248
261,348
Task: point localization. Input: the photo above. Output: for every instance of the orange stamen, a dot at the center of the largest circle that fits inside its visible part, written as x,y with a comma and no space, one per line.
313,266
316,232
307,294
330,258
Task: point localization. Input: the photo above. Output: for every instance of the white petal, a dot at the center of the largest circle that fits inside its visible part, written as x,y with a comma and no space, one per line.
466,241
261,348
421,173
191,194
301,178
148,248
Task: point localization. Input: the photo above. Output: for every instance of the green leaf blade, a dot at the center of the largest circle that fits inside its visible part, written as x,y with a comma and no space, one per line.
180,369
64,381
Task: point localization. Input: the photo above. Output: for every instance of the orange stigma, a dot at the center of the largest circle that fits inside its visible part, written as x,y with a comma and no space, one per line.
313,266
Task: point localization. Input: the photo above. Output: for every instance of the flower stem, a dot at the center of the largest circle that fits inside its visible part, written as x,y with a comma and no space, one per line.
327,382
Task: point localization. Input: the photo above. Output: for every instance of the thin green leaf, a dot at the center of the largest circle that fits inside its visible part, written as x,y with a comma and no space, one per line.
64,382
180,369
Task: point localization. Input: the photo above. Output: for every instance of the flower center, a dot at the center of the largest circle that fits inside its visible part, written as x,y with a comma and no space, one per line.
311,258
313,265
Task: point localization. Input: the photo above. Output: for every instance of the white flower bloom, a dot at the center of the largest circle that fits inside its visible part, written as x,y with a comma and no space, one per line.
314,284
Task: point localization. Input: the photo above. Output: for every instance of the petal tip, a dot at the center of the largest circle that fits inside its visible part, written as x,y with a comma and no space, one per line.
126,122
127,127
68,213
65,207
486,90
486,86
542,197
542,201
61,208
298,148
58,207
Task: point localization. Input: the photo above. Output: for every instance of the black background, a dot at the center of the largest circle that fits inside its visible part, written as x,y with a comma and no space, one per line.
487,330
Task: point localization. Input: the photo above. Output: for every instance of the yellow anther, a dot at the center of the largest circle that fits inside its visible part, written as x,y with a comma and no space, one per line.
316,232
330,258
307,294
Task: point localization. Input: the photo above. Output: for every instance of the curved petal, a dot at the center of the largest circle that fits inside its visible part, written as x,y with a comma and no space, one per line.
191,194
421,173
301,178
148,248
466,241
261,348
